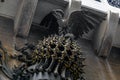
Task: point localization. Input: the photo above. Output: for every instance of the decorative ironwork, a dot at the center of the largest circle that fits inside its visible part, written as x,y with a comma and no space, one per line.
83,21
59,54
56,55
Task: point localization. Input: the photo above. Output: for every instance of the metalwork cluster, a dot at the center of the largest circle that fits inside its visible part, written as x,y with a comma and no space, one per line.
56,55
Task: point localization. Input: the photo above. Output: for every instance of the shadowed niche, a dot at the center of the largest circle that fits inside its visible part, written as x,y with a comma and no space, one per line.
2,0
50,21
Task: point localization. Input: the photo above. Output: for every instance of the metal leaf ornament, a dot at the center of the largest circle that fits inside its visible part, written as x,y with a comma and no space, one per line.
81,22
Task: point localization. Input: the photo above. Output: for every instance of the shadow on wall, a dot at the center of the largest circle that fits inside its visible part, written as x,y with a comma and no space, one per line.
115,55
2,0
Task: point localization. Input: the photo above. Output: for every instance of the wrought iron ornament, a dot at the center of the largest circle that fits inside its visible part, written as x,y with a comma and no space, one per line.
79,23
56,55
59,54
